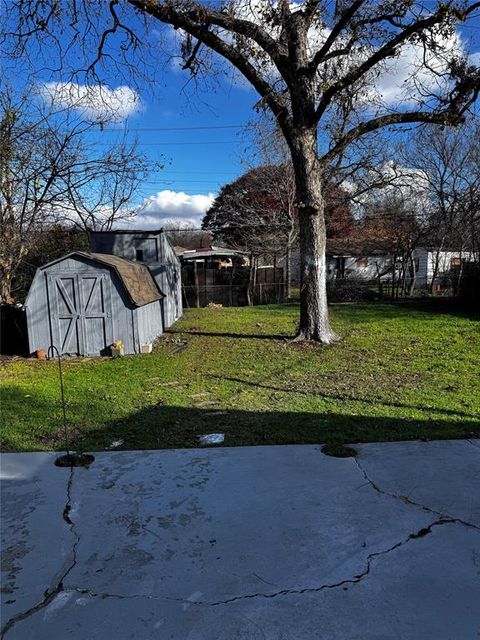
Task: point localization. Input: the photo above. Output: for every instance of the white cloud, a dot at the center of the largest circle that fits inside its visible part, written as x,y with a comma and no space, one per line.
417,70
172,206
474,58
96,103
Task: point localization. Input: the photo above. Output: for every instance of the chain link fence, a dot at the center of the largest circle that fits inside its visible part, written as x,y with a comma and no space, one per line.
233,295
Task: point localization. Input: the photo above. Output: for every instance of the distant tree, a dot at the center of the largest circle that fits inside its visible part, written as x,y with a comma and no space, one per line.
393,223
448,162
257,213
50,174
339,219
51,242
184,235
315,65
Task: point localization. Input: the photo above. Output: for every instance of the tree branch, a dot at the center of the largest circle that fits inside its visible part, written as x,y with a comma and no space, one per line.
196,24
337,29
389,49
445,116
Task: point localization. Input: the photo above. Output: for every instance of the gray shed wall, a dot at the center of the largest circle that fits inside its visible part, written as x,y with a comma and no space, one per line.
158,255
121,319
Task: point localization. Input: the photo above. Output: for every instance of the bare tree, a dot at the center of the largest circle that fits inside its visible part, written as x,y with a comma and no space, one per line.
314,64
394,222
183,235
50,174
447,161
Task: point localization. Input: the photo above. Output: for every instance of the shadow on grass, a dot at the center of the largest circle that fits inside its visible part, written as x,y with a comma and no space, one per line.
354,313
404,307
228,334
449,306
176,427
345,397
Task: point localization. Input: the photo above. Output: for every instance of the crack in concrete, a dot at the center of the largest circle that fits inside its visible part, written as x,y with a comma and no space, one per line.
52,592
421,533
356,579
408,500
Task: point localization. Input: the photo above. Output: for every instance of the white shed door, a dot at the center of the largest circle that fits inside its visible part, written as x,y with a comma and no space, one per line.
80,308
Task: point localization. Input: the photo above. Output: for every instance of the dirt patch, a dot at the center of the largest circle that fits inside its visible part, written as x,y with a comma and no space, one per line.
56,439
338,451
75,460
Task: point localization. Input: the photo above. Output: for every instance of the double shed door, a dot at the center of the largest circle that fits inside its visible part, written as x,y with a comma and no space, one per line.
80,312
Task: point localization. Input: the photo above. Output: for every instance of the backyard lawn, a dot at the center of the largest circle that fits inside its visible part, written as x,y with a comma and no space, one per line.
399,373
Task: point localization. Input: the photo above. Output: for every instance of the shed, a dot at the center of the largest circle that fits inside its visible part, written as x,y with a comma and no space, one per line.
83,302
153,249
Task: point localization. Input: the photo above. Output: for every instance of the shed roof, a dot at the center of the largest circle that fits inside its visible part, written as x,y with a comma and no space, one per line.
136,278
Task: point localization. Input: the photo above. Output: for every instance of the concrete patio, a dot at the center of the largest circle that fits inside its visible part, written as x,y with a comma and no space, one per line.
252,543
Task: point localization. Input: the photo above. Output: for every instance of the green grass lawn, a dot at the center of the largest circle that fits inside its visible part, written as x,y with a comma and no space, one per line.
399,373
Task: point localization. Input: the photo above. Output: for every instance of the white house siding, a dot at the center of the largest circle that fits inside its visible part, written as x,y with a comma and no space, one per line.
369,268
420,256
445,261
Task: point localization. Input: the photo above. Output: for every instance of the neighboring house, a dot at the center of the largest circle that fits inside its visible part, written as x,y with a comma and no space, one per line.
153,249
349,259
84,302
352,259
434,263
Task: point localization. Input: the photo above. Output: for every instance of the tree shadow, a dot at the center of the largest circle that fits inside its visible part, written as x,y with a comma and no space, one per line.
345,397
437,306
357,312
166,427
229,334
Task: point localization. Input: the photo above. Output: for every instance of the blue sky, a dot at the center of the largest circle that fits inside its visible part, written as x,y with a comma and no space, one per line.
200,138
201,144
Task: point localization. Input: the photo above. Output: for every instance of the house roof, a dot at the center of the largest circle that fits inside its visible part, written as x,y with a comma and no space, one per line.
145,232
358,247
179,250
136,278
209,252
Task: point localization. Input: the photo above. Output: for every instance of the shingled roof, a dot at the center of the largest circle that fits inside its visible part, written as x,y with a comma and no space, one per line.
136,278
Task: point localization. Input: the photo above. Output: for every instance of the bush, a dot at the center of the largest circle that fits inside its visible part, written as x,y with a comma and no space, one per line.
351,291
469,287
13,330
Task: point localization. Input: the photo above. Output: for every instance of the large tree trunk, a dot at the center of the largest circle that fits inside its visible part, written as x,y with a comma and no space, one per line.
314,320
